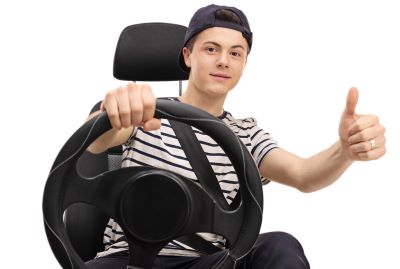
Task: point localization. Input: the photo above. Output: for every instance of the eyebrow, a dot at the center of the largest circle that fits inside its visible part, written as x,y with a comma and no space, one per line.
218,45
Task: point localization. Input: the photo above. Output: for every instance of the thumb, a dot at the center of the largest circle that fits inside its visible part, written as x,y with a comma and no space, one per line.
152,124
351,102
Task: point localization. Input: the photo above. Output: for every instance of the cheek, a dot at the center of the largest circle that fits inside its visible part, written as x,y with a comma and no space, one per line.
239,72
200,68
203,62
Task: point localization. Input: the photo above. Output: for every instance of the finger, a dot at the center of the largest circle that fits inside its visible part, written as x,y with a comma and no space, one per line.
366,134
363,122
372,154
367,146
149,103
351,102
135,100
153,124
111,106
124,107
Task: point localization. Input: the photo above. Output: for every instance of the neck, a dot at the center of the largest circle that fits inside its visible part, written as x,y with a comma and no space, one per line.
212,104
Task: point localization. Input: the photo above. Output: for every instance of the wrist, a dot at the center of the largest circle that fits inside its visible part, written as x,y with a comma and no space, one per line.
344,152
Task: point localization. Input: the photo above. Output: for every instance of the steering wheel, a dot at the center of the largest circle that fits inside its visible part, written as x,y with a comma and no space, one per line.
129,195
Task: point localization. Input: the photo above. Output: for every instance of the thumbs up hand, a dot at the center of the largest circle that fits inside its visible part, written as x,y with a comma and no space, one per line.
361,136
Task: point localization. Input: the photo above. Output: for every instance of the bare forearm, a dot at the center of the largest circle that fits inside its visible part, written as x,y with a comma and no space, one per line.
324,168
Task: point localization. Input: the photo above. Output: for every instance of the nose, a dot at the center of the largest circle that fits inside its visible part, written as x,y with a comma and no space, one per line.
223,60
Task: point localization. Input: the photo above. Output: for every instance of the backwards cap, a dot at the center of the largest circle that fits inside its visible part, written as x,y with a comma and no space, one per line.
205,18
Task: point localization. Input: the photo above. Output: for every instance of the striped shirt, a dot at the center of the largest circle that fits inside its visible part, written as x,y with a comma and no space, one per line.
161,149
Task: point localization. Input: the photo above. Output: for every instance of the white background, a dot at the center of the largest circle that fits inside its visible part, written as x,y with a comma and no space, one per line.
56,62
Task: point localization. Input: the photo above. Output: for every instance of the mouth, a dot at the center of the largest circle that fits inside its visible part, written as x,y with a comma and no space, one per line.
220,76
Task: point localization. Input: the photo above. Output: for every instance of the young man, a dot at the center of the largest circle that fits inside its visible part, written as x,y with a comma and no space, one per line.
215,51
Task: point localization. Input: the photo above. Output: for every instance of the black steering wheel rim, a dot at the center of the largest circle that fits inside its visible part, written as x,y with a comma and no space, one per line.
249,180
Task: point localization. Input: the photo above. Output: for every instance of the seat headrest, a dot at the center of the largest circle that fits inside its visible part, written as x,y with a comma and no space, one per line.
150,52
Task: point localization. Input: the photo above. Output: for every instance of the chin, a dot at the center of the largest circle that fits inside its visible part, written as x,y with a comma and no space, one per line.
218,92
219,89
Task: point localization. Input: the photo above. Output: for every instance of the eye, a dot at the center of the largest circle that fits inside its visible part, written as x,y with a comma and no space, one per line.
236,54
211,49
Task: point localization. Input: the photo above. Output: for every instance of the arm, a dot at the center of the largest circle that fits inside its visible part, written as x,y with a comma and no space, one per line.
306,175
127,107
324,168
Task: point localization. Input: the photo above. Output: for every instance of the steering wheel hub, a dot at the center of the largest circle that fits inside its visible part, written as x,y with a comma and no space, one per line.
155,206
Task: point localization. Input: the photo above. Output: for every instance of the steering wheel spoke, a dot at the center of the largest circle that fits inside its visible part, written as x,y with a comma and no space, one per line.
228,223
103,191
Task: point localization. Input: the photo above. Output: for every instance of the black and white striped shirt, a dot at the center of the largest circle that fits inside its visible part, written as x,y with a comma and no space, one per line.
161,149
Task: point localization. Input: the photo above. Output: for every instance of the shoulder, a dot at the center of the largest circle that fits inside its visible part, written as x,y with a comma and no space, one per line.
247,125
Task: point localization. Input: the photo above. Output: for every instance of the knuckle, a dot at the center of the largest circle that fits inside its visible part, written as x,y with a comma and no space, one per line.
357,127
148,103
362,136
131,85
136,110
366,146
126,124
114,119
112,115
148,98
372,155
383,129
124,112
146,91
369,155
109,95
359,148
145,87
120,89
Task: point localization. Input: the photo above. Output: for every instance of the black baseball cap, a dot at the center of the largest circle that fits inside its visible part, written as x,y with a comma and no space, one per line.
205,18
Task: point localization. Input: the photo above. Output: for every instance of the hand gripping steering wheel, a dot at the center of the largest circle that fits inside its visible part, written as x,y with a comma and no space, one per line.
154,206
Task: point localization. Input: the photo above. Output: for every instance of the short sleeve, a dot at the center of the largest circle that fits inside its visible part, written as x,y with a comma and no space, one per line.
261,143
258,141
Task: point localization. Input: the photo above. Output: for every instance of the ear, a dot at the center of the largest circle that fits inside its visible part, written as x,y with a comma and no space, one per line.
186,56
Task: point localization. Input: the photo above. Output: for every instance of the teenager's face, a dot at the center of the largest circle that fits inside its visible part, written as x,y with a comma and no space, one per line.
217,60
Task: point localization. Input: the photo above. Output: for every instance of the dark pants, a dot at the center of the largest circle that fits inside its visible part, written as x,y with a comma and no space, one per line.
276,250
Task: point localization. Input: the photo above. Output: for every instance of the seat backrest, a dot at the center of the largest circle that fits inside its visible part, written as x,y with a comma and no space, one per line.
145,52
